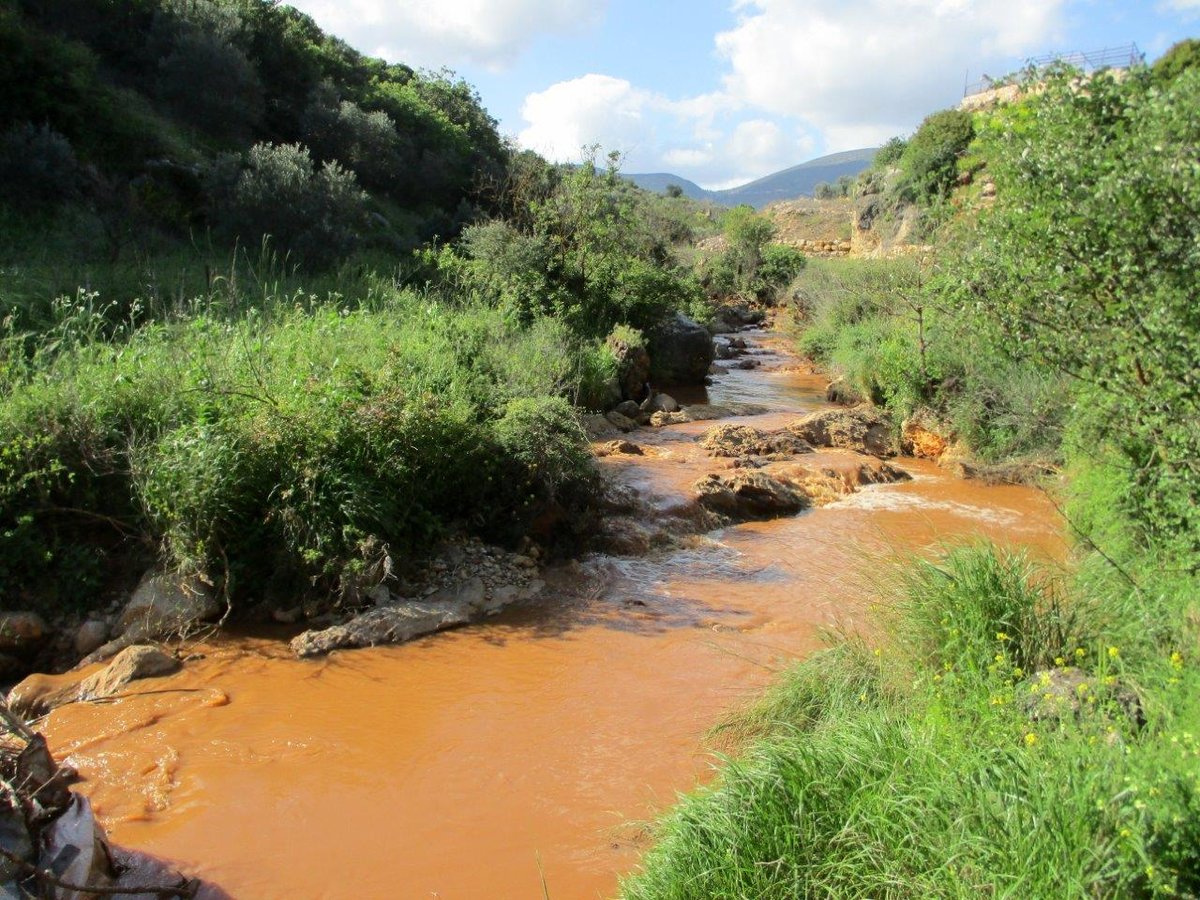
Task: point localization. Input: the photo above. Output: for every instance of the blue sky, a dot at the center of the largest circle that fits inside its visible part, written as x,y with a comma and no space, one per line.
725,92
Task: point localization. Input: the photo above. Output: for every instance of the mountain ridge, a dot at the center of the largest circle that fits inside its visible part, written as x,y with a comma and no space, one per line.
786,184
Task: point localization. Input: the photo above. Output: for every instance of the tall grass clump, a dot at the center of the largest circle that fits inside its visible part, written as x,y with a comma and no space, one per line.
289,450
951,762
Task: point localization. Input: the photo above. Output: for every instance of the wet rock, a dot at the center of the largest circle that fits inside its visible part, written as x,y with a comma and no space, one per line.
131,664
22,633
386,625
613,448
165,604
629,409
38,694
722,350
749,495
829,482
681,351
704,412
90,636
620,422
664,403
745,364
744,441
859,428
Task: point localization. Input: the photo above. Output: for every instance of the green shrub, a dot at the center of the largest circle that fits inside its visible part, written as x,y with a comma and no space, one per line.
1179,58
277,192
38,168
928,164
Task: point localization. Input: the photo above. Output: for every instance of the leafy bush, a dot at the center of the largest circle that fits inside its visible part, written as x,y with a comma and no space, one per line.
1179,58
929,162
277,192
890,153
38,168
1086,265
284,453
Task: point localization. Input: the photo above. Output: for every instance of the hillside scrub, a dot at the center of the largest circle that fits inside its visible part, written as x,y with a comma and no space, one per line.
285,451
158,112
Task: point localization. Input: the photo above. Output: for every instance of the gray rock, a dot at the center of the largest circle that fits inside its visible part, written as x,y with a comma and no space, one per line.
90,636
620,422
681,351
165,604
633,368
386,625
628,409
469,594
662,403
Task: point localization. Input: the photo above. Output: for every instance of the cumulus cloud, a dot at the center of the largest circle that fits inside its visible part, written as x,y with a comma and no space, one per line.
860,70
655,132
489,33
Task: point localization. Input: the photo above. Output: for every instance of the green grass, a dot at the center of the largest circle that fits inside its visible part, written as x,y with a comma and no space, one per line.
280,449
862,320
914,769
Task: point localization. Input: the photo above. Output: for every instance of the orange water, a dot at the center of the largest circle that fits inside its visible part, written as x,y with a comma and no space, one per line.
476,763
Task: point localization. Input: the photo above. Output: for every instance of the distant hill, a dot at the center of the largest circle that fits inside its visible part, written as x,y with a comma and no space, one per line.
798,181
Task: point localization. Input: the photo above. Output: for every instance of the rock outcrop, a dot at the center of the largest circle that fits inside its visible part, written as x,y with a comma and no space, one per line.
38,694
740,441
681,351
859,428
749,495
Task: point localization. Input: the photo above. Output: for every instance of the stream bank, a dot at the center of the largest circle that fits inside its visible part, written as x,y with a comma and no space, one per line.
473,762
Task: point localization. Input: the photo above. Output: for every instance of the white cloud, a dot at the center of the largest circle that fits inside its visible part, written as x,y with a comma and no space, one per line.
859,70
593,109
653,132
1182,4
490,33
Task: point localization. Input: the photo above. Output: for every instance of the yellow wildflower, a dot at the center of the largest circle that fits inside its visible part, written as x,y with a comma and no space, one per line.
1030,739
1114,653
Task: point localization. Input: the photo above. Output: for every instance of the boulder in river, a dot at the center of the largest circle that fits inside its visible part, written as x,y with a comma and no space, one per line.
165,604
745,441
392,624
859,428
749,495
620,422
681,351
38,694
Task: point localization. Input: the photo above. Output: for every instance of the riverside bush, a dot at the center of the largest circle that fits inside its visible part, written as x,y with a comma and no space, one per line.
284,450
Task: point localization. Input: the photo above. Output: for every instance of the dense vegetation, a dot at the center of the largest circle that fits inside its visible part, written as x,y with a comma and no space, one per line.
226,345
1024,730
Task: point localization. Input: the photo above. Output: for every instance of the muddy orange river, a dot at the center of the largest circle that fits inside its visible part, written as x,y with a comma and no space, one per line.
529,750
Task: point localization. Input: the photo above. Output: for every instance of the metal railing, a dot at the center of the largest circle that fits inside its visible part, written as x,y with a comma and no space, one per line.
1123,57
